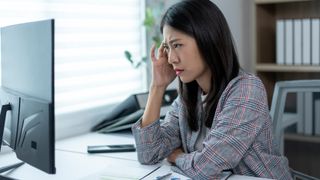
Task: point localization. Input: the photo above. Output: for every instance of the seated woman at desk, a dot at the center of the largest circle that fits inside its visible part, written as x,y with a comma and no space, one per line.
220,120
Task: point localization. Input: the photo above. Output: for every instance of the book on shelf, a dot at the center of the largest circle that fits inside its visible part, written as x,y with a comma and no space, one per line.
297,41
289,41
280,41
315,24
306,42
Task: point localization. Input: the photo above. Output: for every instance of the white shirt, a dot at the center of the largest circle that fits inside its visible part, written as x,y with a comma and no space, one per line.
203,129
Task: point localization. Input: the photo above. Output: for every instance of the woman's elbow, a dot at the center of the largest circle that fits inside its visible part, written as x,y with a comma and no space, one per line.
147,159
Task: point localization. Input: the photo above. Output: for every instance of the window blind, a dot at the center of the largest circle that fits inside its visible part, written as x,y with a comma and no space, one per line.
90,39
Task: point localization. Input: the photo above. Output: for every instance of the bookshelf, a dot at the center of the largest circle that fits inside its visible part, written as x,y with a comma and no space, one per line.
266,14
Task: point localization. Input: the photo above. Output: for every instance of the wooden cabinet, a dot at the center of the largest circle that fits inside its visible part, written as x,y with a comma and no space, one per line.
266,14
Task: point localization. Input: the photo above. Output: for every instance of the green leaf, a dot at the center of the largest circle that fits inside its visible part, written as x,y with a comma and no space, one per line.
128,56
144,59
138,64
149,20
157,40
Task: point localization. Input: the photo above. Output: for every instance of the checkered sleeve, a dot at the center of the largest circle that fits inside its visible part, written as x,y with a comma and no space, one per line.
240,115
157,140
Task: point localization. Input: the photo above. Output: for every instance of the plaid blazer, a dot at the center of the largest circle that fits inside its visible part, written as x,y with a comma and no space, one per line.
240,138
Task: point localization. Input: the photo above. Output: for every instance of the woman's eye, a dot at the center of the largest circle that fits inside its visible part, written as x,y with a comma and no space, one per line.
177,45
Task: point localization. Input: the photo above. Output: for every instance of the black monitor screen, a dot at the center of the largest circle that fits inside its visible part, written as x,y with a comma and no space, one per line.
27,92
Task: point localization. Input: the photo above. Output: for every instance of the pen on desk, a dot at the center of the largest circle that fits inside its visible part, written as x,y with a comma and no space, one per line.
163,176
150,173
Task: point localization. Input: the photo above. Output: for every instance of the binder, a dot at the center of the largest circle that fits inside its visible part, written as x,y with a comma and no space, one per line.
297,41
289,42
306,42
280,37
315,24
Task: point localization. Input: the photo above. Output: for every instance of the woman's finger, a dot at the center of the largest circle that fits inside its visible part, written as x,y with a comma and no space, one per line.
152,53
165,53
161,51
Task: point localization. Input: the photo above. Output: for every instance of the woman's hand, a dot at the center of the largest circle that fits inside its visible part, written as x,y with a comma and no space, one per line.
173,156
162,72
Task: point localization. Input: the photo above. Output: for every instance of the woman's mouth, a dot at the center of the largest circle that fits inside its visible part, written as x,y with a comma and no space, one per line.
178,71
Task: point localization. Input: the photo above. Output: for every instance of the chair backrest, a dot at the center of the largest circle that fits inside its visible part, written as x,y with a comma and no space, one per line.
281,120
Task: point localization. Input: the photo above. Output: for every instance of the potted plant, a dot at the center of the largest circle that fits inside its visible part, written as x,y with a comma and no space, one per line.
152,31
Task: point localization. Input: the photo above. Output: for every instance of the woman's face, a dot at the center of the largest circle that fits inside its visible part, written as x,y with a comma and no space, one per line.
184,56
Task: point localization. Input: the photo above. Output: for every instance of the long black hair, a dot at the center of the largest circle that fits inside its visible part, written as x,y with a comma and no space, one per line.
203,20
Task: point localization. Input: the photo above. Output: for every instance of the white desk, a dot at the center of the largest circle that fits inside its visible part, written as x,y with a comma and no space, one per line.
80,143
71,165
73,162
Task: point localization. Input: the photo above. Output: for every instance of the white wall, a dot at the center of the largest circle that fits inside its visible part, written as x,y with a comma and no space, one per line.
240,16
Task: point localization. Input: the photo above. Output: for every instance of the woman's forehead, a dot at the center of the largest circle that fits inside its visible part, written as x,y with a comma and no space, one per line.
171,34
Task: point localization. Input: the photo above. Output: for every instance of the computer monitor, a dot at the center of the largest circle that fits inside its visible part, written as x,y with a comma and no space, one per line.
27,92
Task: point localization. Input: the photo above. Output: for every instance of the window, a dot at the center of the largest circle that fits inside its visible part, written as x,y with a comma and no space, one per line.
90,39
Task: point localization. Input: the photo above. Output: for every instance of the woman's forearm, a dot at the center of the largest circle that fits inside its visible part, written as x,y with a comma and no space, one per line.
152,111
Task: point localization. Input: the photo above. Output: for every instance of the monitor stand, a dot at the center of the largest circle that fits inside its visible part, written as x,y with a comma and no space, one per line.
4,110
9,167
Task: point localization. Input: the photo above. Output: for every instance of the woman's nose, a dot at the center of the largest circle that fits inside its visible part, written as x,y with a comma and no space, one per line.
172,57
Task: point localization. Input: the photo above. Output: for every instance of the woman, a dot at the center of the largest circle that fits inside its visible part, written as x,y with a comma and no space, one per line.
220,120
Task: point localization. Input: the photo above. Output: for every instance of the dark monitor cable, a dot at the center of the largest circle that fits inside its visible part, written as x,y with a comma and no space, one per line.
9,167
4,109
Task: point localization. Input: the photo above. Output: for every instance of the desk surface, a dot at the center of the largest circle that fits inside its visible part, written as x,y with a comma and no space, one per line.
71,165
80,143
73,162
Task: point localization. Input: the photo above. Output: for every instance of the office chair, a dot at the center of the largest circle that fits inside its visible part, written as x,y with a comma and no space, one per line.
281,119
